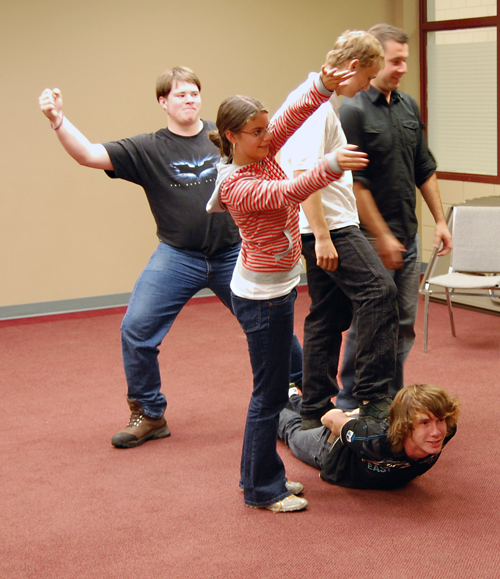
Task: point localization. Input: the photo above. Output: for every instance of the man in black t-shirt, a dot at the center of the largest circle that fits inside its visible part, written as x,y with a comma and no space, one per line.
379,450
176,168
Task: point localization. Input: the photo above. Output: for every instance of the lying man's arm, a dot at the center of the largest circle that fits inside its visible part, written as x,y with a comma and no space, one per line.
334,420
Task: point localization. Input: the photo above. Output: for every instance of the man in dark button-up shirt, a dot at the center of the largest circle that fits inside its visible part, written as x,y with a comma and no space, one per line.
385,123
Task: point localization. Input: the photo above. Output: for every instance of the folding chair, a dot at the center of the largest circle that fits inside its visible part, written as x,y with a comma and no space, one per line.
475,259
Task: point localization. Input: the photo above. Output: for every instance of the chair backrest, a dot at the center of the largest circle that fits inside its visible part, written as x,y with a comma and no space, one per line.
476,239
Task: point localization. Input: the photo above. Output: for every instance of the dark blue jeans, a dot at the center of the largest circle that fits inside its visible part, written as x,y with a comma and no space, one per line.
268,325
360,284
170,279
407,281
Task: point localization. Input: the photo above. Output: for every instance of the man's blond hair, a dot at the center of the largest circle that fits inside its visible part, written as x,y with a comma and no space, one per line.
355,44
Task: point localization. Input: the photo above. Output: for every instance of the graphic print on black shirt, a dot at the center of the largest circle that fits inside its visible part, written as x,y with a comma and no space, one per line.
203,169
178,175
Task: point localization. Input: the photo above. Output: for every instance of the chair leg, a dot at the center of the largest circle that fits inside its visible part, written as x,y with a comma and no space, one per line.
426,317
450,311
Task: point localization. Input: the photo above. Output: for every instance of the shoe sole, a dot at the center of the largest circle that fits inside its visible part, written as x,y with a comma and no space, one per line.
153,435
287,510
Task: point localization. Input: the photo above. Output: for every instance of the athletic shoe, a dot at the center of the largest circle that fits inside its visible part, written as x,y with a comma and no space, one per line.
294,487
287,505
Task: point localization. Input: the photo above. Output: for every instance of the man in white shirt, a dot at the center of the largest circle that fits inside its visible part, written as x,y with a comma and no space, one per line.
343,270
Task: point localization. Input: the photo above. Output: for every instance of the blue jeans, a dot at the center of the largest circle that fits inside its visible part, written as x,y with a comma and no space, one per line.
170,279
360,283
407,281
268,325
310,446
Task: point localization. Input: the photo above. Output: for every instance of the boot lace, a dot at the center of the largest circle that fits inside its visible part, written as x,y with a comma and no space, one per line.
136,417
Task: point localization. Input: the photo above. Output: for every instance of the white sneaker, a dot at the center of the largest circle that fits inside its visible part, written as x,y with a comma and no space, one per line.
288,504
295,488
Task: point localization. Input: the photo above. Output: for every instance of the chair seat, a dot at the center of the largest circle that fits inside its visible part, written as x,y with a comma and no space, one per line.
475,255
457,280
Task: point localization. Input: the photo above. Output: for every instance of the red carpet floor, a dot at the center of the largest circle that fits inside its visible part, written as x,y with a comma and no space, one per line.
72,506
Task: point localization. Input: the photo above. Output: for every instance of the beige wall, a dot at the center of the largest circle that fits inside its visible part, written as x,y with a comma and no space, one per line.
70,232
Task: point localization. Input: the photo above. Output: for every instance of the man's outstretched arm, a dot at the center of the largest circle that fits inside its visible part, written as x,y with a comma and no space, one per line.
77,145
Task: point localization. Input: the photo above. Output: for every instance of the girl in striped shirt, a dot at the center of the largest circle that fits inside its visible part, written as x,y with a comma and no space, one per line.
265,206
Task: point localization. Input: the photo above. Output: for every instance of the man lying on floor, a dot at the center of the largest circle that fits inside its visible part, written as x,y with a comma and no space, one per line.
379,450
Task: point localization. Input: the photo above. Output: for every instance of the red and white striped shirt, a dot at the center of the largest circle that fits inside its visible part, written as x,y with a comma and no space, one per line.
265,204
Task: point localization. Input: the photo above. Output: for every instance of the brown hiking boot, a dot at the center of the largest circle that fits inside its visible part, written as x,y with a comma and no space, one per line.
140,428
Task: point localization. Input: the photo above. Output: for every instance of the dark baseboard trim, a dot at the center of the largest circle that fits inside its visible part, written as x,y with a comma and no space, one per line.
81,305
63,306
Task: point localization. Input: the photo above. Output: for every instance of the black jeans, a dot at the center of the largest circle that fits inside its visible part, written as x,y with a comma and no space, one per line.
407,281
360,284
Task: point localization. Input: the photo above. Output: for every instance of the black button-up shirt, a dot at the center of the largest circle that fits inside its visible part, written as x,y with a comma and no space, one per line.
392,134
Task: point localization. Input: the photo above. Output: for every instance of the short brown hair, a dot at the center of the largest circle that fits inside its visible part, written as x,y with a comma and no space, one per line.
355,44
233,114
385,32
423,398
167,79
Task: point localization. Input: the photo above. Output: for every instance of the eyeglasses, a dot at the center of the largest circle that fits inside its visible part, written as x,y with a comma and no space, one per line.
258,133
